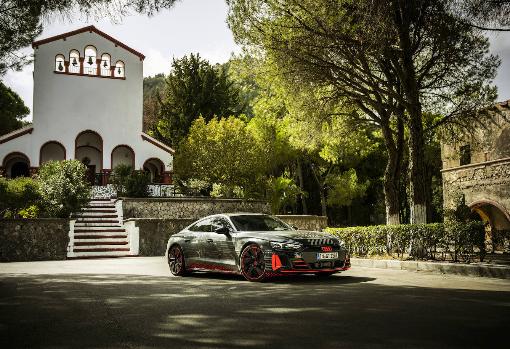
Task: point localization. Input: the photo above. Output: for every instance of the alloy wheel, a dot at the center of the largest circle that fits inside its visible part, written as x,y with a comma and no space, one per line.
253,266
176,261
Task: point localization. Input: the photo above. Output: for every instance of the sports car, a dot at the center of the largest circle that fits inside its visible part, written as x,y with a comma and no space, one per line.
255,245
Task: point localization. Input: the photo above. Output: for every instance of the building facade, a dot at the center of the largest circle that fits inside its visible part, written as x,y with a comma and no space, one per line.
88,105
478,168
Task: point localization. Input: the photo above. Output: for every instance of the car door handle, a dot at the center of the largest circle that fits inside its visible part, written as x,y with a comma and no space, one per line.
210,240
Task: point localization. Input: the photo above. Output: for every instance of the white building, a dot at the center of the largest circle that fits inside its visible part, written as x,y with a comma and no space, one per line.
88,91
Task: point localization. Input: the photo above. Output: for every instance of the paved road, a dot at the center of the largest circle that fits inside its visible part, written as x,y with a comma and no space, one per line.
133,303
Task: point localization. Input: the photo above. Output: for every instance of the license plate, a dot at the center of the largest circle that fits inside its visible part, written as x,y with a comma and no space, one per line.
327,255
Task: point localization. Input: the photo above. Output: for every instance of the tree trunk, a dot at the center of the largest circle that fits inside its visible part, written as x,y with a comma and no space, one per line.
322,193
301,186
403,19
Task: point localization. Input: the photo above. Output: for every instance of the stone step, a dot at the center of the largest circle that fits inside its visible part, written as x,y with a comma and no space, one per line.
97,210
85,236
100,204
96,216
101,248
90,254
114,224
100,242
118,229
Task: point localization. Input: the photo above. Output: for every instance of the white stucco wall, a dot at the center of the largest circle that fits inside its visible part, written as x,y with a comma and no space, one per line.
65,105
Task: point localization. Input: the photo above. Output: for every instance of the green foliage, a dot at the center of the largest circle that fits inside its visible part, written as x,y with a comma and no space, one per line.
220,151
152,95
194,88
129,183
19,198
455,241
63,187
282,192
344,188
12,110
137,184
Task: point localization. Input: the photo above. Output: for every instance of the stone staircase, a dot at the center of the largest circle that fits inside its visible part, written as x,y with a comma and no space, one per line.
97,231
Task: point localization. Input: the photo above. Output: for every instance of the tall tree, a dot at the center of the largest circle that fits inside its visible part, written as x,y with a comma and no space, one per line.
152,94
393,59
195,88
12,110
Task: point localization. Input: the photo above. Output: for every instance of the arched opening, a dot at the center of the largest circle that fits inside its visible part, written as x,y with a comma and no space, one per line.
156,168
496,218
123,154
106,64
52,150
90,64
16,165
74,61
60,63
119,71
89,150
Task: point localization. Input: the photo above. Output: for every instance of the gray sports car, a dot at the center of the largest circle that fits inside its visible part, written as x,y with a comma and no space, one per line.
254,245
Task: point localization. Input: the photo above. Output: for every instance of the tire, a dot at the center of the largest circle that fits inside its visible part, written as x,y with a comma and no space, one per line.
176,261
253,266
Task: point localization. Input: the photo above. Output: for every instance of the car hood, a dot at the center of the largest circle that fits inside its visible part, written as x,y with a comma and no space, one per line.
283,235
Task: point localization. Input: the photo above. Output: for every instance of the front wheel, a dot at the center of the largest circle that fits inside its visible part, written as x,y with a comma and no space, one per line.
253,266
176,261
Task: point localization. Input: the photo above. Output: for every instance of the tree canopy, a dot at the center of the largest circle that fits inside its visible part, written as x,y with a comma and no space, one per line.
12,110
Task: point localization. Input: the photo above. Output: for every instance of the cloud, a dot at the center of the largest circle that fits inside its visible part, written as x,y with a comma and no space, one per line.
155,63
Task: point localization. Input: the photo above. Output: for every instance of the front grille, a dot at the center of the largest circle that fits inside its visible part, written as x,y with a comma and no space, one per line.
317,242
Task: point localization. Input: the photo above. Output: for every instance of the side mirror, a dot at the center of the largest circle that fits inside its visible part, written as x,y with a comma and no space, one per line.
222,230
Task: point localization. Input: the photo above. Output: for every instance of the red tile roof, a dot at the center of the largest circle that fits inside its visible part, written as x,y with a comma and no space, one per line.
90,29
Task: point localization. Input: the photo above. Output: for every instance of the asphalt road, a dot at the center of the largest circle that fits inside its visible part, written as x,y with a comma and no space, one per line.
134,303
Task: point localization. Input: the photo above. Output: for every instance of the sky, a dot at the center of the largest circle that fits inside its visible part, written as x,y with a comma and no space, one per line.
191,26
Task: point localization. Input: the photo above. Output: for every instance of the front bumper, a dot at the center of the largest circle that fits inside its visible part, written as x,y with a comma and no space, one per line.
289,263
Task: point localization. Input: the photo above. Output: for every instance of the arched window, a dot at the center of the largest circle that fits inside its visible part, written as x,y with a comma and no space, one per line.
59,63
74,61
105,64
119,69
52,150
16,165
156,168
123,154
90,65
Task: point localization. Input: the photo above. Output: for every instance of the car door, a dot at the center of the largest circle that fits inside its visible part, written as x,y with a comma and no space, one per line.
196,240
220,246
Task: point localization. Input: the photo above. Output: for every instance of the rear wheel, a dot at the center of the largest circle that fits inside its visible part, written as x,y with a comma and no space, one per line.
253,266
176,261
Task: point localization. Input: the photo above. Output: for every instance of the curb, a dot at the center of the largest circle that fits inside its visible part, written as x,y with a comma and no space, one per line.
484,270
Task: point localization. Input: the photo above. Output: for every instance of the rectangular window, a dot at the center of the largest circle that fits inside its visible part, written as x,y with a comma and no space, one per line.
465,155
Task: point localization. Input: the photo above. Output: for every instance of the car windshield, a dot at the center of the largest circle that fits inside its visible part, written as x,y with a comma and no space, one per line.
258,223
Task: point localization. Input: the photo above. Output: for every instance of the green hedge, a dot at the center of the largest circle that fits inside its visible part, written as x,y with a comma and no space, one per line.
449,241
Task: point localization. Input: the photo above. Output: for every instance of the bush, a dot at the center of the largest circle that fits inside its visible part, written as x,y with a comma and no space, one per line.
63,187
130,183
282,193
452,240
19,198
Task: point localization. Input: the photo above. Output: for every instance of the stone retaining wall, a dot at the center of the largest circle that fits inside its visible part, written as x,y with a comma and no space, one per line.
193,208
33,239
153,233
317,223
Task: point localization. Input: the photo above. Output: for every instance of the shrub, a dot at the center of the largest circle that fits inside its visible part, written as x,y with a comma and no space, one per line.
137,184
63,187
282,193
451,240
120,177
18,197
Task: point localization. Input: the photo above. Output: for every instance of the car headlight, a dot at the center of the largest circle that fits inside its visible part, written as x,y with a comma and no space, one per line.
290,246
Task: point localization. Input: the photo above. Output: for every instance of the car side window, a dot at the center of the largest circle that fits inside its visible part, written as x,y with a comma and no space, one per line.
202,226
220,222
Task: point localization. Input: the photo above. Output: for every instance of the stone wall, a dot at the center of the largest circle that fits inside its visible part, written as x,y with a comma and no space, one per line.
193,208
33,239
317,223
480,184
153,233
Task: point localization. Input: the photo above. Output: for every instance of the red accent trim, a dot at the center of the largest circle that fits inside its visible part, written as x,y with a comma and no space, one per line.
312,270
49,142
132,152
326,248
90,29
276,263
16,135
157,144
